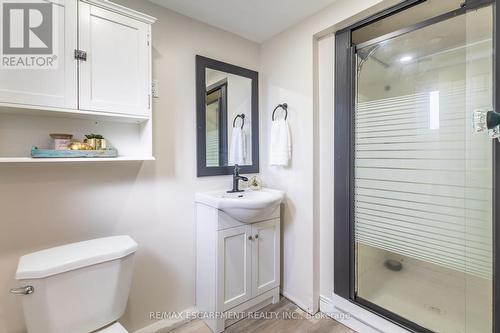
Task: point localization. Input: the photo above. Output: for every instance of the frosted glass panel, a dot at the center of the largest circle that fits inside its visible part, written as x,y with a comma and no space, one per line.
422,187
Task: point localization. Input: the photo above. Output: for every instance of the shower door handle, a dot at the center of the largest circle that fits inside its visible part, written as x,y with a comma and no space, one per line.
486,120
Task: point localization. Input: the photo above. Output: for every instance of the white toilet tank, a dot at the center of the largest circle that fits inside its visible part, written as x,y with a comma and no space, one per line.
78,288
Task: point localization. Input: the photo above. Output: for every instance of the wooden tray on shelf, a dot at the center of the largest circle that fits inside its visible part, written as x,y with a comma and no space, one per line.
50,153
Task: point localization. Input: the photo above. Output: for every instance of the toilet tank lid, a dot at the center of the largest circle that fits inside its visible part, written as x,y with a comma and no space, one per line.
69,257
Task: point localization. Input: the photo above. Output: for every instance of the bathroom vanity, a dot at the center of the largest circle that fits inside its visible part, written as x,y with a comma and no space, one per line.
237,254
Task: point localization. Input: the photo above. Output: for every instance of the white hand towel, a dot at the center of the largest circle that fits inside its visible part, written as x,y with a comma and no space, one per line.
237,151
280,151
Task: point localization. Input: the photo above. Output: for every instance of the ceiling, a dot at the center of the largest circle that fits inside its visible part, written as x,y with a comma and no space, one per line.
256,20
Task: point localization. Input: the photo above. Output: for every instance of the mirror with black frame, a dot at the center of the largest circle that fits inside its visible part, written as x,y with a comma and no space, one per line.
227,118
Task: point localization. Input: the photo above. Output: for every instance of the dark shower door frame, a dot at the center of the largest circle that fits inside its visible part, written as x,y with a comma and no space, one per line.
344,244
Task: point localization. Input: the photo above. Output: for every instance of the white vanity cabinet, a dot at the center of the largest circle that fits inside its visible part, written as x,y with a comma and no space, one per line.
237,264
248,261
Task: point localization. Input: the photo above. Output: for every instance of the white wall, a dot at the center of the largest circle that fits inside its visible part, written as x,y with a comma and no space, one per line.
326,160
291,63
43,205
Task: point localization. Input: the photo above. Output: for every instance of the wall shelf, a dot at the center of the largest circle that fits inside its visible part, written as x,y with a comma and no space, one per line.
19,132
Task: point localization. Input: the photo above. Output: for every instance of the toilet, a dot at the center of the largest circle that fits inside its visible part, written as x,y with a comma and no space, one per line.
78,288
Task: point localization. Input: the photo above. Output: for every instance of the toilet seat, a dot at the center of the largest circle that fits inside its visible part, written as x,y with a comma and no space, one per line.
115,328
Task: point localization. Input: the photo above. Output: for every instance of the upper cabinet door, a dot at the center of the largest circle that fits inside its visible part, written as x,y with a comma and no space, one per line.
116,75
266,256
41,71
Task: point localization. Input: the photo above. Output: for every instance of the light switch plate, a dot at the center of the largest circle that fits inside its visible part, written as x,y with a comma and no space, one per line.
154,89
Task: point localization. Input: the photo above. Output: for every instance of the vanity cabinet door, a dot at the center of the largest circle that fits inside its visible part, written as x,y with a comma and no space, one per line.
265,256
46,80
234,267
115,77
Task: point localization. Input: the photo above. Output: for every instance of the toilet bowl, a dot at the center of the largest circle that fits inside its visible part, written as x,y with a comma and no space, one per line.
79,288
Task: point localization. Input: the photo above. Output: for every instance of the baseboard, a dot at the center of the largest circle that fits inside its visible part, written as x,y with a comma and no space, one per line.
297,302
355,317
169,324
326,305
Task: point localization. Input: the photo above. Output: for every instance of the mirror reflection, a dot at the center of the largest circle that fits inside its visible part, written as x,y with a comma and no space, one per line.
228,102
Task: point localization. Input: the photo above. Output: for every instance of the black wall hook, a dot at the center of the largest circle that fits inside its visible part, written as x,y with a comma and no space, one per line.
283,106
242,116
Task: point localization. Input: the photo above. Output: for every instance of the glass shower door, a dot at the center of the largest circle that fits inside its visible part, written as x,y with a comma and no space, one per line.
423,177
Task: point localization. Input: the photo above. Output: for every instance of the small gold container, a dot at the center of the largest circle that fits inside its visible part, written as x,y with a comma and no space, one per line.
100,144
91,142
80,146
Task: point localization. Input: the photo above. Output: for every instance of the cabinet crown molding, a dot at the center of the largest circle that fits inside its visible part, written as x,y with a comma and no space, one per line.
106,4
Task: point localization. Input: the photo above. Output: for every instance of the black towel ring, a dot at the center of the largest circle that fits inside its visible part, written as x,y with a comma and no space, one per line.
242,116
284,106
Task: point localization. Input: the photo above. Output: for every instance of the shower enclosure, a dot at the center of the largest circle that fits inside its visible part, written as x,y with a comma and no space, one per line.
415,181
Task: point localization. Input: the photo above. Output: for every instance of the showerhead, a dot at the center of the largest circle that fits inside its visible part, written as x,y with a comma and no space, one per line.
366,52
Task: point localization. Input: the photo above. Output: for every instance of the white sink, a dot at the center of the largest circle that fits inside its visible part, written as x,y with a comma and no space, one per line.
248,206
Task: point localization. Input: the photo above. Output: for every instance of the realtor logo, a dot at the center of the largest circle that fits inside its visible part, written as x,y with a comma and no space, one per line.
28,35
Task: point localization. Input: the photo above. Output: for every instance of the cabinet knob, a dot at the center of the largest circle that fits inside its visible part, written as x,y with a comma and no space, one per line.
256,236
250,238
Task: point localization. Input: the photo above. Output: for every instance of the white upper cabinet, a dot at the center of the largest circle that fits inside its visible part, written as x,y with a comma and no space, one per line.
44,73
30,85
116,75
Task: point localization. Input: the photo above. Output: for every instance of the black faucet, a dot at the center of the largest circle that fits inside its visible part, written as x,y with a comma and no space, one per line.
236,180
